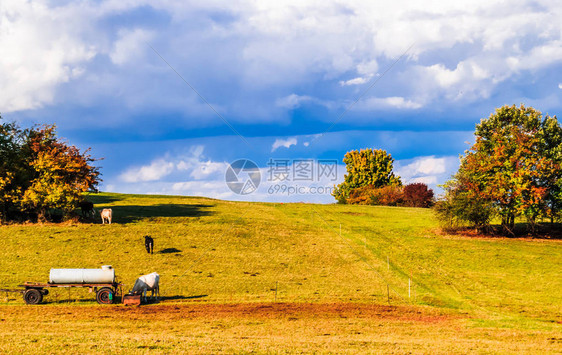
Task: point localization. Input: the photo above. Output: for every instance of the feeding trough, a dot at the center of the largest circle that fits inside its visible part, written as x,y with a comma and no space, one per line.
145,283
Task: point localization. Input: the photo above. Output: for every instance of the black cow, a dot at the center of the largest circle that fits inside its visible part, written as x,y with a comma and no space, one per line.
87,208
149,244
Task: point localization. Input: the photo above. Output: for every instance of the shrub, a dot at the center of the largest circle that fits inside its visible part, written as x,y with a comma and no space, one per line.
459,209
369,195
418,195
388,196
361,195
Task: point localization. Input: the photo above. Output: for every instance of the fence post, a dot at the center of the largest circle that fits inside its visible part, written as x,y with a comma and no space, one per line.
409,287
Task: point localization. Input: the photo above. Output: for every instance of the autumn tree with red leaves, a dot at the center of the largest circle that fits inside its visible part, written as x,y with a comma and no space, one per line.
417,194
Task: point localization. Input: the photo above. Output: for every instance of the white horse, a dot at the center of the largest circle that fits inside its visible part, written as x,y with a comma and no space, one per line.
146,283
106,214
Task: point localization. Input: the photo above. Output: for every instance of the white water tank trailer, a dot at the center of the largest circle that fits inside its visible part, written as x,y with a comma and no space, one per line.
102,281
106,274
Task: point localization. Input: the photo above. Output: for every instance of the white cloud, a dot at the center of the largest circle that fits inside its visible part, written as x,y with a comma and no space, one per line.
131,44
193,164
427,165
189,173
287,143
460,52
540,56
199,168
377,103
368,68
463,72
41,49
207,168
429,169
428,180
356,81
420,166
471,79
292,101
213,189
560,86
153,172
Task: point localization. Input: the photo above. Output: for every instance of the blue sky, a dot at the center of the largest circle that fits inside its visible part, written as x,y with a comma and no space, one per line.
281,73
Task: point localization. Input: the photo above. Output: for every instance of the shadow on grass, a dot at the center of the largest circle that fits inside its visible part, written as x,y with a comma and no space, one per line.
169,251
104,199
150,300
131,214
178,297
66,301
521,230
116,300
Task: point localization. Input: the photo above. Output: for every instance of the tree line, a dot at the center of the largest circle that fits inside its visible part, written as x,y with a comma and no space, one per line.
513,172
42,177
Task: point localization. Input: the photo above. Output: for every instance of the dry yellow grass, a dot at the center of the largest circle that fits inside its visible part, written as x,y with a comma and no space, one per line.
261,328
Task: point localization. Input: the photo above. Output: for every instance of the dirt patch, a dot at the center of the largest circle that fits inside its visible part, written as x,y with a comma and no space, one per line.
288,311
355,213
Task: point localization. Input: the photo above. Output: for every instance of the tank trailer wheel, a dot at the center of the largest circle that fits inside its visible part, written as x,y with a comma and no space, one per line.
32,296
105,296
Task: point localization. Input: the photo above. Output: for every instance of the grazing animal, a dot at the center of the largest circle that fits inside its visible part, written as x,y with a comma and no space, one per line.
87,208
149,244
146,283
106,215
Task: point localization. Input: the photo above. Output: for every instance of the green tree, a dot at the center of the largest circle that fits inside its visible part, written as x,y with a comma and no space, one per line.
460,207
551,139
514,167
14,171
367,167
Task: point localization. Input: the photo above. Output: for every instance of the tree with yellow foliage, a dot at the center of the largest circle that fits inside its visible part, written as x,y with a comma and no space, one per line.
40,173
367,167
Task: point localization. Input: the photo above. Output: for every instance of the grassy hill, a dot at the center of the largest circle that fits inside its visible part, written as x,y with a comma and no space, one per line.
217,252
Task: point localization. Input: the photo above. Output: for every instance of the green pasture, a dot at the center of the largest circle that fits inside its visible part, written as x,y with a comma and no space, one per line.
218,252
